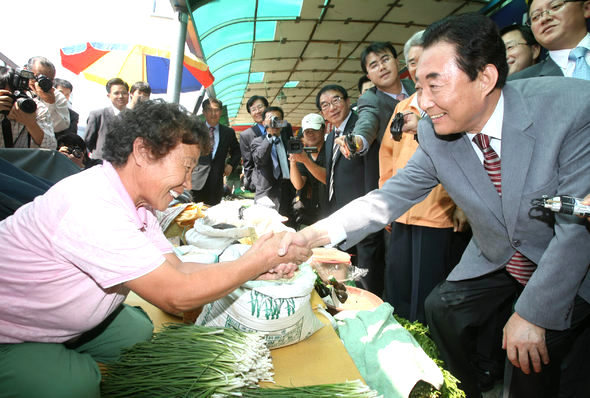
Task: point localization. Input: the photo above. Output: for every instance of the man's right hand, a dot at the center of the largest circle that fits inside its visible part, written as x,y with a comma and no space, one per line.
410,122
6,101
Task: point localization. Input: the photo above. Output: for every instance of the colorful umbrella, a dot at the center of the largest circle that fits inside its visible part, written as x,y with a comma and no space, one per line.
100,62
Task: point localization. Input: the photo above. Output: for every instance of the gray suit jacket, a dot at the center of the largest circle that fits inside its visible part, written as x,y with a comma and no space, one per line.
545,151
375,108
547,67
97,129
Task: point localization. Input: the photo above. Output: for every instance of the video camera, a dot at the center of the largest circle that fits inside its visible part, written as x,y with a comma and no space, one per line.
295,145
18,82
277,123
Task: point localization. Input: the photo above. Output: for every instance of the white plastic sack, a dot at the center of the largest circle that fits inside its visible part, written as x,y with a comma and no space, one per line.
204,236
281,310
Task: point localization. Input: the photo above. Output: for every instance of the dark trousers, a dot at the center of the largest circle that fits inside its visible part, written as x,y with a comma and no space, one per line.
370,253
418,258
466,319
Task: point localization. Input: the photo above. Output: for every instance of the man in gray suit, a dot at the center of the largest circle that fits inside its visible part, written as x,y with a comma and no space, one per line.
560,27
375,107
97,124
525,269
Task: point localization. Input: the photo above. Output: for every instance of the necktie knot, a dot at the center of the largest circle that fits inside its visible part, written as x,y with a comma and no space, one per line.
577,53
400,97
337,133
482,141
581,68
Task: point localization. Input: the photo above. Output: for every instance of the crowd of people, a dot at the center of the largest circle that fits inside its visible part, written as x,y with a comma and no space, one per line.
428,182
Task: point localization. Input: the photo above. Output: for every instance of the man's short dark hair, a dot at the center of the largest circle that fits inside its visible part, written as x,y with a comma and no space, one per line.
330,87
525,31
255,98
377,47
275,109
477,43
207,103
142,87
162,126
362,80
57,82
115,81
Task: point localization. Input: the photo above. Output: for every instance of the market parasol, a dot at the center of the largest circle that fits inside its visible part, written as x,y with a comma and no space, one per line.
100,62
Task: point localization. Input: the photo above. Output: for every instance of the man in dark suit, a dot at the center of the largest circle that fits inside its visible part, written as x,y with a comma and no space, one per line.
223,144
523,281
346,179
97,125
560,27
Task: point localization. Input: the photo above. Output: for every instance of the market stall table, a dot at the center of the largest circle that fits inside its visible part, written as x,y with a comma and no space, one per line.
319,359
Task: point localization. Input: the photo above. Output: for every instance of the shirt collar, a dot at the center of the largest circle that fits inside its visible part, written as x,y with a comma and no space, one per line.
139,214
561,56
342,125
493,127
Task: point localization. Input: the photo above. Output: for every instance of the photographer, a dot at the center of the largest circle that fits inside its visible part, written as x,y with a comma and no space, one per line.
271,167
22,129
308,172
54,100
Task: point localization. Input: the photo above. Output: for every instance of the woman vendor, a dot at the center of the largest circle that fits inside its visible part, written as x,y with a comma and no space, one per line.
69,258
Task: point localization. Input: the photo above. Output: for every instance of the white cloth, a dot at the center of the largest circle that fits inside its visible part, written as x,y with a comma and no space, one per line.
493,129
58,112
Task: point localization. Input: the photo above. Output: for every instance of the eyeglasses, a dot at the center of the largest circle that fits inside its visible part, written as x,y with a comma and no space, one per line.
259,108
554,8
335,101
384,60
511,45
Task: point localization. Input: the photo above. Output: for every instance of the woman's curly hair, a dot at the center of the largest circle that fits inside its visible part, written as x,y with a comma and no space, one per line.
162,126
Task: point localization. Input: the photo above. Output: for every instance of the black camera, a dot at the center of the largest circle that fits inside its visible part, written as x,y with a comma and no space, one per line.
295,145
76,152
397,124
18,82
276,123
44,82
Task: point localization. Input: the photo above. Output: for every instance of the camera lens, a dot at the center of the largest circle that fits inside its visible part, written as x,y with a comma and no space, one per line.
44,82
26,104
76,152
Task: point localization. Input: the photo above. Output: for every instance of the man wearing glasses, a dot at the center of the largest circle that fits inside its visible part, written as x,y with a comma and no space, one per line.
560,27
522,50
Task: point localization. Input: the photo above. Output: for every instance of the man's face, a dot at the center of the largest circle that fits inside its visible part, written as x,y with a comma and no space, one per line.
119,96
313,137
382,69
65,91
138,96
454,103
366,85
269,115
334,107
412,61
518,53
256,110
212,114
561,28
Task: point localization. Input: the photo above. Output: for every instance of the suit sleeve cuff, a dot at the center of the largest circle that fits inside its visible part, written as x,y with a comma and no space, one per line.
335,231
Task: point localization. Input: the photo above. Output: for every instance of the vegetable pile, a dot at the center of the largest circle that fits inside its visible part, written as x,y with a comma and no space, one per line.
199,361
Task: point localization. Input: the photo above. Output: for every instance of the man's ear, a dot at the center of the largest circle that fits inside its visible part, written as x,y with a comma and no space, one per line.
488,78
586,8
536,48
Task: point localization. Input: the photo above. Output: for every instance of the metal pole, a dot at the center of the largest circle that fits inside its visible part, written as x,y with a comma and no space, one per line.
176,59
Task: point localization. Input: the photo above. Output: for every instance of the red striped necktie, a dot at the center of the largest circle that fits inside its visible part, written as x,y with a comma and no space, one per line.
520,267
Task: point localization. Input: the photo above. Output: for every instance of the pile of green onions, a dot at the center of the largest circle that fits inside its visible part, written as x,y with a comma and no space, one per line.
199,361
190,361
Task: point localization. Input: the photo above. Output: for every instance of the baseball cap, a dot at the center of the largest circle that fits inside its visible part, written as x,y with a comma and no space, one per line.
312,121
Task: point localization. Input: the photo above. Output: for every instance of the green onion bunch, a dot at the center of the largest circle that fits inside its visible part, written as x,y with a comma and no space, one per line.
352,389
190,361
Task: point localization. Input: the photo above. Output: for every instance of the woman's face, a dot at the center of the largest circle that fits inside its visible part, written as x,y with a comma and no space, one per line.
166,178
